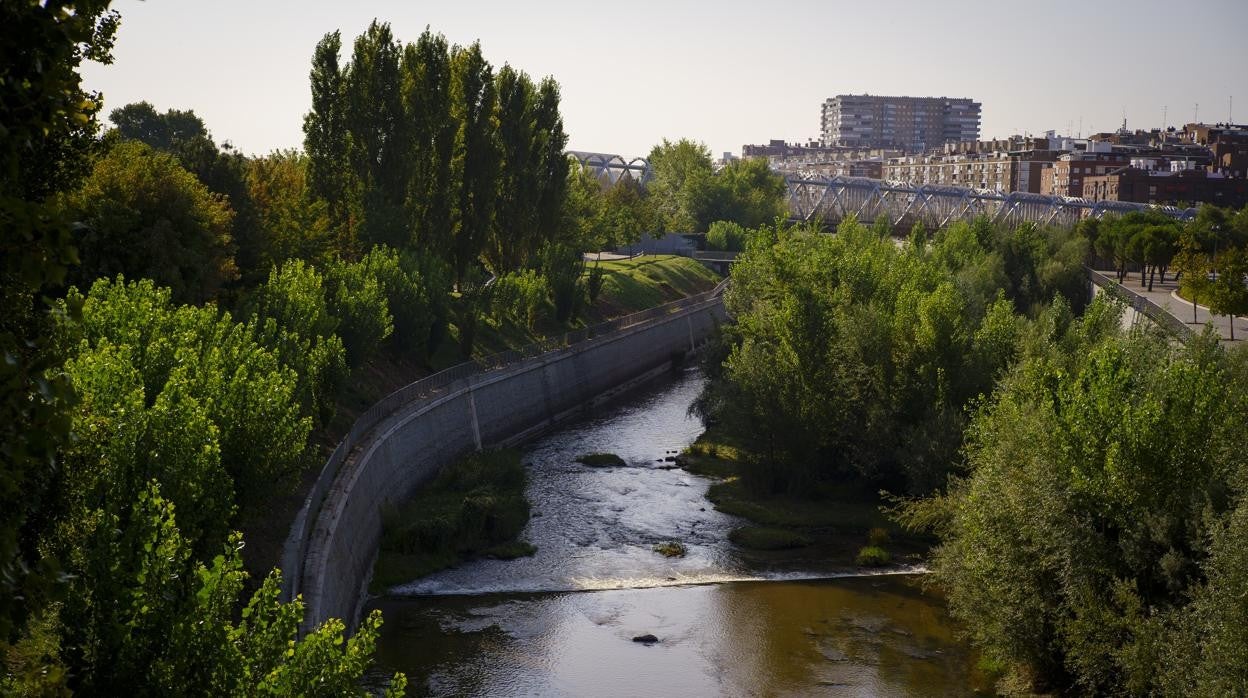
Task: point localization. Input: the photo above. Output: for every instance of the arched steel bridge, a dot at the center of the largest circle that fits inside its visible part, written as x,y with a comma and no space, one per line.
832,199
613,166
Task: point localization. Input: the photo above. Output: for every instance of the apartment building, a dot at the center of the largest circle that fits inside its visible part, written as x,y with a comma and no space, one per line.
910,124
997,171
1174,187
1066,176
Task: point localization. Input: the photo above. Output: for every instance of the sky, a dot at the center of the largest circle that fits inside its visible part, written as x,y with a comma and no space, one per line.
725,73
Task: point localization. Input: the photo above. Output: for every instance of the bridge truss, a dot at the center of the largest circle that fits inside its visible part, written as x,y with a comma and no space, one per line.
812,197
612,166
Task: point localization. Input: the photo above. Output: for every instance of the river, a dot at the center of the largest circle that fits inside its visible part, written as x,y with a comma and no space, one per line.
561,623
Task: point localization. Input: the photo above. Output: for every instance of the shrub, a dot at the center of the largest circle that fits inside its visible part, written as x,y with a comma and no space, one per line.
521,297
475,506
872,556
358,300
670,549
727,236
593,283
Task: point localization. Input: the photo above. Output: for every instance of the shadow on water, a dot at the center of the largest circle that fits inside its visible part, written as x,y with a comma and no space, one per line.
562,622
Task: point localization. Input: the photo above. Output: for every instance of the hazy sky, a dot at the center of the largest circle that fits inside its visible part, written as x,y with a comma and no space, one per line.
726,73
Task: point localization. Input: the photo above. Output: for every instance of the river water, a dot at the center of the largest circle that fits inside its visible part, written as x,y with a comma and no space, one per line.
561,623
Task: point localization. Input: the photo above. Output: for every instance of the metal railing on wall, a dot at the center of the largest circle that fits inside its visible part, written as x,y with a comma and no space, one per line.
436,384
1160,316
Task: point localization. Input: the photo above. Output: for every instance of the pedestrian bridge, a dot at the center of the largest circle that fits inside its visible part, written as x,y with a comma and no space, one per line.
832,199
813,197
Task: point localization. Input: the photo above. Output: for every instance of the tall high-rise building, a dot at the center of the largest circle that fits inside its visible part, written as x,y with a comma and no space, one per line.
912,124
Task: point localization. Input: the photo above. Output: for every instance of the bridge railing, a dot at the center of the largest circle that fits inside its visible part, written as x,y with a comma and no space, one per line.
295,549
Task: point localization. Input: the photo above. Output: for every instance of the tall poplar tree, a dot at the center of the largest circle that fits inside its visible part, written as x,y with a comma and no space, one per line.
513,232
550,144
426,95
474,159
326,141
373,114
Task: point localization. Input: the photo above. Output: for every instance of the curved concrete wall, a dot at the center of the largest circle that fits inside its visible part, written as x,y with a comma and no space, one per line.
500,407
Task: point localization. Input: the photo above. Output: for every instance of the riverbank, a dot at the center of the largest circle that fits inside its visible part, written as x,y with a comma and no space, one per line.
834,524
671,277
475,507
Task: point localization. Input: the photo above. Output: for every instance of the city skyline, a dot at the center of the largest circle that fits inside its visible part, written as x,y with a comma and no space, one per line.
633,76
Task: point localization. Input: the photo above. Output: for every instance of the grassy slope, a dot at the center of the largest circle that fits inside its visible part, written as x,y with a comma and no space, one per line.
630,286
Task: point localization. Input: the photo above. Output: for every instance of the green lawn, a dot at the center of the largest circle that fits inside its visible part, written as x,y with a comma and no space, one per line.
631,285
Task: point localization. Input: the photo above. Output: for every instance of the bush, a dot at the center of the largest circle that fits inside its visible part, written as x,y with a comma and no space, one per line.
520,297
671,549
475,506
726,236
872,556
358,300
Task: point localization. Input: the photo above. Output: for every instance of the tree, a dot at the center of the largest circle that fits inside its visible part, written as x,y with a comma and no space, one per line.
378,152
141,122
681,184
552,164
150,618
626,213
49,124
147,217
1229,294
748,193
357,299
474,159
293,224
326,142
1096,478
426,94
1192,266
514,230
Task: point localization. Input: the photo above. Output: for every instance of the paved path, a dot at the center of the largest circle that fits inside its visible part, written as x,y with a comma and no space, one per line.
1164,295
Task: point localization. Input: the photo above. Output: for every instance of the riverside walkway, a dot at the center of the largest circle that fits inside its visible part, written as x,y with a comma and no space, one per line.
1165,296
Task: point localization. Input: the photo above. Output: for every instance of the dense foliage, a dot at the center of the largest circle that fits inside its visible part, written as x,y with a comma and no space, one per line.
855,357
1087,484
220,304
1095,541
47,132
145,216
688,195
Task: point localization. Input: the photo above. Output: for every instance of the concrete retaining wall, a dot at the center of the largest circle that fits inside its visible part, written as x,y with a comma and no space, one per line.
498,407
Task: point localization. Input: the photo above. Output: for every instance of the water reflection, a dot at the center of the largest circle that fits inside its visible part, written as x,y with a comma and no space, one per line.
878,636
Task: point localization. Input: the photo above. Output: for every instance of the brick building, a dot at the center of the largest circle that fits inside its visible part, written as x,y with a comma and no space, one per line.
1166,187
1066,176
